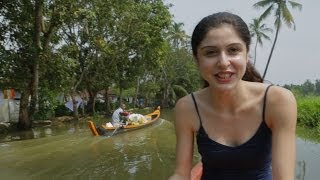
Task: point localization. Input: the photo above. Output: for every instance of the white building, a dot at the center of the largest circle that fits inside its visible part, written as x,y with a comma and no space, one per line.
9,107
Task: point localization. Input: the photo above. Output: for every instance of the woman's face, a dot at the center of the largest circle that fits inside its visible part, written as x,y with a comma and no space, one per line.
222,57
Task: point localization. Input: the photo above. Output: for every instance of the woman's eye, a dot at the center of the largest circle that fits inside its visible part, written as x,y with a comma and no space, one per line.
211,53
234,50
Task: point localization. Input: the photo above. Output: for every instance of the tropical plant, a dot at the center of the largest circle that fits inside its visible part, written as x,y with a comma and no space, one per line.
177,36
258,30
281,13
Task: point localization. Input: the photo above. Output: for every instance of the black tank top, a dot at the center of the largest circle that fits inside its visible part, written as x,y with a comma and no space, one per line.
248,161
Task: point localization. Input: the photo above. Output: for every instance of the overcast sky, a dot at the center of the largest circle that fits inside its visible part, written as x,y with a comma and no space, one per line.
295,58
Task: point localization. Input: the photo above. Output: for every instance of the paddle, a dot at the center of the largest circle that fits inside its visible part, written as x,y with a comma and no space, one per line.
116,130
120,126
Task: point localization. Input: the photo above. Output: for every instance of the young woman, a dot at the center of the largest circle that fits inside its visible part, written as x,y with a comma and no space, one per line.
245,129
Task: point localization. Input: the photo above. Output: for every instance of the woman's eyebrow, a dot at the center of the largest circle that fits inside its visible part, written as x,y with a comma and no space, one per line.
234,44
209,46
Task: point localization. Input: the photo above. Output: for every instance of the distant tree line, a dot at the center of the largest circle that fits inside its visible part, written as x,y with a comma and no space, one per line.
308,88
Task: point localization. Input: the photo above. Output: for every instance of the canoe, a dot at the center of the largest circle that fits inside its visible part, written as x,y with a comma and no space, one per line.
104,130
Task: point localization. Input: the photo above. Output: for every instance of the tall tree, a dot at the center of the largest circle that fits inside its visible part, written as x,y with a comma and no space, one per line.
76,33
177,36
29,27
138,39
281,13
258,30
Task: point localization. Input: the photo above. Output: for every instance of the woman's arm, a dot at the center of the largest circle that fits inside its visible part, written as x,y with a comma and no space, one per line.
185,140
282,118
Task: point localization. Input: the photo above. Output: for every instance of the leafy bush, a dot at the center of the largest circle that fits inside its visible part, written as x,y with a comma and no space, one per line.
100,107
62,110
309,111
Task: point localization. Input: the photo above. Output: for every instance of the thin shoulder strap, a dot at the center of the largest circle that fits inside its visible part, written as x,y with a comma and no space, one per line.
265,102
195,104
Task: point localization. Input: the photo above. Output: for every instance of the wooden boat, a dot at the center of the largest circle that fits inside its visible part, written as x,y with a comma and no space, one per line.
154,116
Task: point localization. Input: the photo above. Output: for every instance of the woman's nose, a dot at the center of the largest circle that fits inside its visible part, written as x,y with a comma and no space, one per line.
223,60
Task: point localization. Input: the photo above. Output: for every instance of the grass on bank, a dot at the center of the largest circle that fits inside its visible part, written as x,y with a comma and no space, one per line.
309,117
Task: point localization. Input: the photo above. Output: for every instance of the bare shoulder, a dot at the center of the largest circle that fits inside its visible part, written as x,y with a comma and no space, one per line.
184,106
183,103
184,112
280,96
281,107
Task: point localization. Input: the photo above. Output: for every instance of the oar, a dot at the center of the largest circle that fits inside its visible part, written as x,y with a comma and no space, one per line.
116,129
120,126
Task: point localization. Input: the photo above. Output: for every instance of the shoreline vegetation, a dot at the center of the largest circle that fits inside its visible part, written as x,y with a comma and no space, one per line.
308,103
308,123
305,133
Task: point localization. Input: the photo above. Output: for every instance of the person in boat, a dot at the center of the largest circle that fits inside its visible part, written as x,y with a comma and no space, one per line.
244,128
120,115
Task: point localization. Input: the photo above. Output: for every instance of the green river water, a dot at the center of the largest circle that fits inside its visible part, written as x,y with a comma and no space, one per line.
73,153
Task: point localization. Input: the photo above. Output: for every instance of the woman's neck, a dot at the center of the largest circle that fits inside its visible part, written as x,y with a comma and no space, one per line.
227,100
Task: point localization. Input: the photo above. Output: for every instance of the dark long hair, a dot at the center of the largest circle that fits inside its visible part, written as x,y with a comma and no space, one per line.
216,20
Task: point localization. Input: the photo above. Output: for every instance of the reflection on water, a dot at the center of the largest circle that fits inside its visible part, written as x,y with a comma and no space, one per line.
73,153
142,154
300,170
40,132
308,160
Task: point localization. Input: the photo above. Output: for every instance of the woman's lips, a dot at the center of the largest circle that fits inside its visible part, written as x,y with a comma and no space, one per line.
224,76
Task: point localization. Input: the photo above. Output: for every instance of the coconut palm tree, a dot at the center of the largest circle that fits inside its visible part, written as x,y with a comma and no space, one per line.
258,30
281,14
177,36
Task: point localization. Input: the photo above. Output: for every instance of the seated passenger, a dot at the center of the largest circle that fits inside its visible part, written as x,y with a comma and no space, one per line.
119,115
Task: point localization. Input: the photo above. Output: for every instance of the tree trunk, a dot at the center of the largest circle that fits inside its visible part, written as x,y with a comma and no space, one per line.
107,103
147,100
120,95
24,121
34,91
75,108
165,97
73,92
135,99
255,53
91,102
36,58
273,45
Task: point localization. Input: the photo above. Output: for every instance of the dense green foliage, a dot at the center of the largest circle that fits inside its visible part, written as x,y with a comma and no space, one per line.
71,48
308,102
311,134
309,111
308,88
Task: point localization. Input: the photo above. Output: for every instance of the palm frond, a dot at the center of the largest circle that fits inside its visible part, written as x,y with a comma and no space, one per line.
266,13
265,36
264,28
295,5
262,4
287,16
258,29
277,23
179,91
259,39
